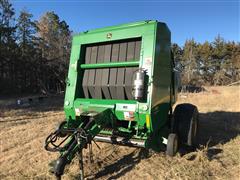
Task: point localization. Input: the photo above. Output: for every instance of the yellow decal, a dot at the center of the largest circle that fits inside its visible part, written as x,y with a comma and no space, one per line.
148,121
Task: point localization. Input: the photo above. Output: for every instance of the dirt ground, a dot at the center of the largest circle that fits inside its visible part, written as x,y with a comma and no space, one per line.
23,132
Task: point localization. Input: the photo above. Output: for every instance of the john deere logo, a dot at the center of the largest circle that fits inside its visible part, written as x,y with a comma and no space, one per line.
109,35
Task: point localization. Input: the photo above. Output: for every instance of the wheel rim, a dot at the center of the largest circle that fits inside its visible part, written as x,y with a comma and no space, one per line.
175,145
195,128
194,124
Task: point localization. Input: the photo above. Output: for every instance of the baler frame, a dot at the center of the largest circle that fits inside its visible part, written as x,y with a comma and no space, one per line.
117,118
147,32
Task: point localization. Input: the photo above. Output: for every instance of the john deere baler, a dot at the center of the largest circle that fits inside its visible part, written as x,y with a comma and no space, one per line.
120,89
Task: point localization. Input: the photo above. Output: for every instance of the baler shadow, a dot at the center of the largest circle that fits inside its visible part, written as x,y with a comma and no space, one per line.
123,165
215,127
218,127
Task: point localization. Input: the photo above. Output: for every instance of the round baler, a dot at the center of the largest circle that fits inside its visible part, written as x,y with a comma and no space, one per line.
120,89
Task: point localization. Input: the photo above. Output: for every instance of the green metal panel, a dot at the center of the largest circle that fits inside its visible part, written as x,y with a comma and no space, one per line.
154,58
98,98
162,77
145,30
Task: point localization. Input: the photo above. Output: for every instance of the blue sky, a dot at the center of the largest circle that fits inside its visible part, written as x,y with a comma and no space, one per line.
201,20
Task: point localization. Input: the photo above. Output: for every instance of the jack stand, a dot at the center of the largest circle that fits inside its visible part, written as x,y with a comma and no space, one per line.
90,153
81,165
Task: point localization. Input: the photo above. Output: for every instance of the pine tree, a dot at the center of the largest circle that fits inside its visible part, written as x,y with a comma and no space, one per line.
54,43
55,35
27,64
204,56
177,52
7,45
189,60
26,31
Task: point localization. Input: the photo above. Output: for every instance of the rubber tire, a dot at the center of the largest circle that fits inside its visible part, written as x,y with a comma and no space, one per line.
172,144
186,124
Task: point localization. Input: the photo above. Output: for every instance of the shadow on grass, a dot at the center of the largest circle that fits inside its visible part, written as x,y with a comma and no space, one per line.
121,166
214,128
218,127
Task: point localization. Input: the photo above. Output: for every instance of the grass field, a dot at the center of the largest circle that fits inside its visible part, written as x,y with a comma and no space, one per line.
23,132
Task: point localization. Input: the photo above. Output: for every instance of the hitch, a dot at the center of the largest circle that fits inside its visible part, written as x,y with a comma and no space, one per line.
75,139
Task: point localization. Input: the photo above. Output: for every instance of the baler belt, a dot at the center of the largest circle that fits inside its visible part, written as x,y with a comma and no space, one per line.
92,72
106,72
121,72
112,82
133,52
113,72
98,76
129,71
86,73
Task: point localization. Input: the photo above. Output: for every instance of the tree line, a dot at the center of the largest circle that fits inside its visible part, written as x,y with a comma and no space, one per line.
34,55
209,63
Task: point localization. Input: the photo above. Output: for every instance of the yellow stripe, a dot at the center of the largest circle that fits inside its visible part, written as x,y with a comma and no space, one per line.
148,120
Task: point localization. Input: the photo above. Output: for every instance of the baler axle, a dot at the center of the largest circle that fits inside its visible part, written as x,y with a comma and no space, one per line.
120,141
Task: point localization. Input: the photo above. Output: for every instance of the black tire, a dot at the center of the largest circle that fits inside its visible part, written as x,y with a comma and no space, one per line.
186,124
172,144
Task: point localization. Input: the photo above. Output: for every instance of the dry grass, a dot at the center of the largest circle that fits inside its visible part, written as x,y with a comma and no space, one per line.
23,132
215,99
